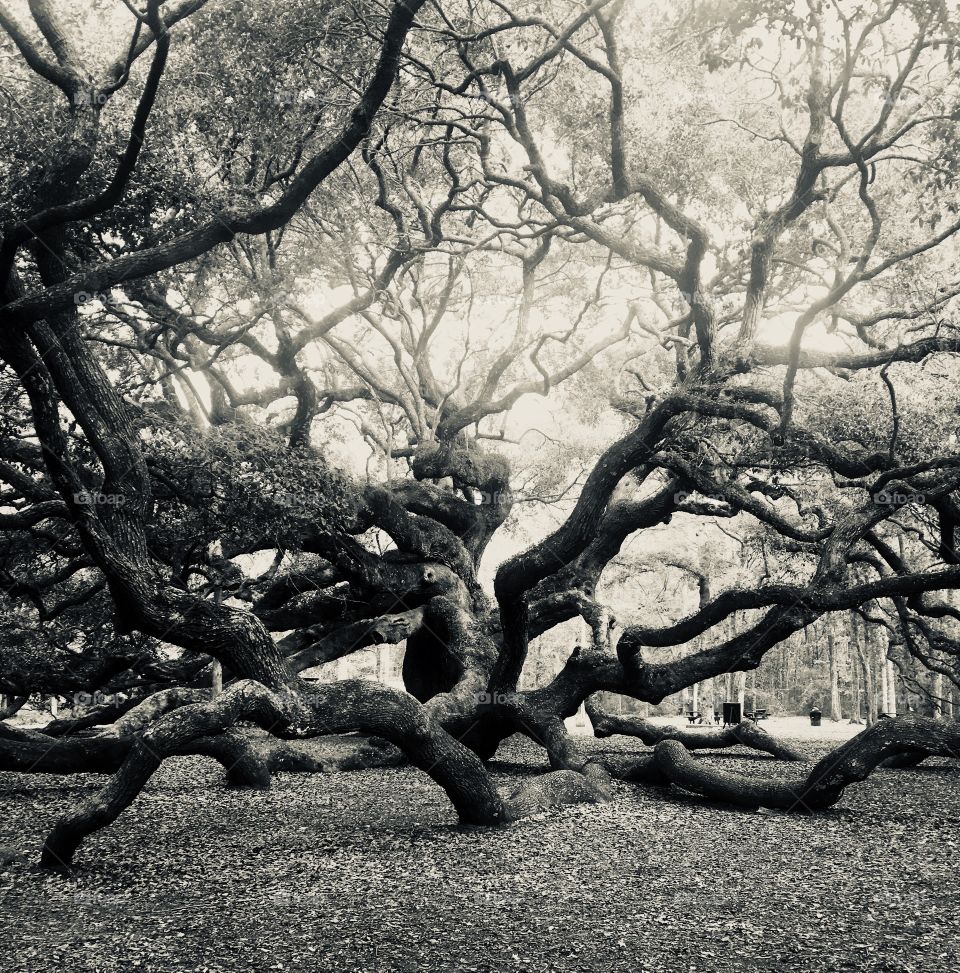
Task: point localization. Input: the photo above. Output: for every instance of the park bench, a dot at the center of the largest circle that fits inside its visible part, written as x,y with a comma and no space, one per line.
757,715
693,718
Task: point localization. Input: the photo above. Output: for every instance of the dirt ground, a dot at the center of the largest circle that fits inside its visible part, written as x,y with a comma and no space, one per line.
369,871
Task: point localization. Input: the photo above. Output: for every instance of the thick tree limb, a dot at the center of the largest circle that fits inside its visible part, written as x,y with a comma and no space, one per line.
824,785
745,734
232,221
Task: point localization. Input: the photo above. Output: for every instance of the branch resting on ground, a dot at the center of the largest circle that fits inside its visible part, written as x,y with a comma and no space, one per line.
746,734
824,785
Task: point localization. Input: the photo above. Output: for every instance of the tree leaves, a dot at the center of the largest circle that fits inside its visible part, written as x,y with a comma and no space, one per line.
242,483
365,871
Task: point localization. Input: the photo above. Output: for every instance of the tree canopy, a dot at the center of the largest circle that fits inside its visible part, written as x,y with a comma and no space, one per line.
333,325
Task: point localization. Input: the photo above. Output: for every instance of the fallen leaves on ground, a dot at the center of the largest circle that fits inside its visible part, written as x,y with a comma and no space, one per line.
369,871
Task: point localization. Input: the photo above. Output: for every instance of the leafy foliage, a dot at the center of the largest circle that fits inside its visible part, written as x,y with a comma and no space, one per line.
242,485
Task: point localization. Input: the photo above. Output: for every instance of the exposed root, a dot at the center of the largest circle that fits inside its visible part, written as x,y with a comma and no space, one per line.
746,734
824,785
576,778
338,707
168,737
555,789
331,754
347,706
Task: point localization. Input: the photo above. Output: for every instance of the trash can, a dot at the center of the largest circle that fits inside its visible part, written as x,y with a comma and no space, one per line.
731,714
815,715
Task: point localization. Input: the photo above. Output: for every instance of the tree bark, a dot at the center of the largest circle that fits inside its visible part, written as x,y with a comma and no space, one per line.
740,688
11,705
891,705
862,644
884,690
836,711
746,734
824,785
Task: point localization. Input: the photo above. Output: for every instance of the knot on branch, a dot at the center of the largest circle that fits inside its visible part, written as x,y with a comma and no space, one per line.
629,651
